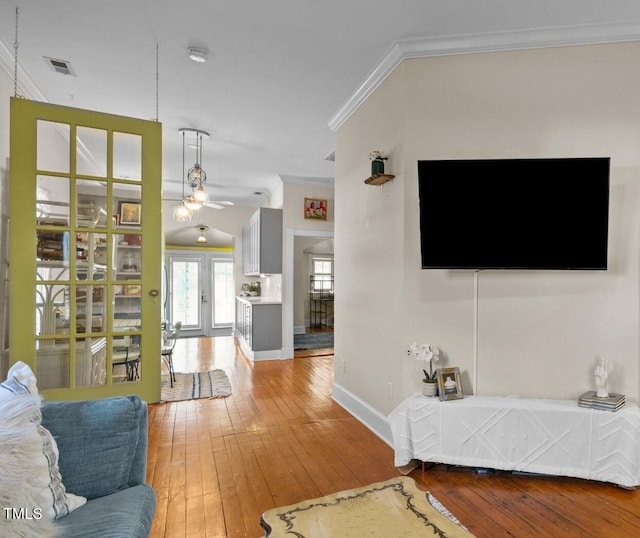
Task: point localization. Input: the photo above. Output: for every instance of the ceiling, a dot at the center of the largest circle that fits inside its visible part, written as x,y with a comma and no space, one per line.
277,70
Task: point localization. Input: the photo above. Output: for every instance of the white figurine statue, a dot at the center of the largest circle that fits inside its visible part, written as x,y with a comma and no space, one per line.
602,372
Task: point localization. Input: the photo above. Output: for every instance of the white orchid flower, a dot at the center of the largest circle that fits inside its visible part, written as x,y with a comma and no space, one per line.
427,353
415,351
433,353
423,352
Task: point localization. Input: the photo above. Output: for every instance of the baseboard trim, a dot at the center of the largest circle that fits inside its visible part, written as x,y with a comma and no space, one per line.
266,355
370,417
300,329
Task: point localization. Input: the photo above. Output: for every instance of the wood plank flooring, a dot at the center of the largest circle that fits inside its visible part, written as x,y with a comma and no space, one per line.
218,464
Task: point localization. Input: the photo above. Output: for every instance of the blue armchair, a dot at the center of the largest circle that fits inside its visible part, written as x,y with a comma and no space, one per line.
103,457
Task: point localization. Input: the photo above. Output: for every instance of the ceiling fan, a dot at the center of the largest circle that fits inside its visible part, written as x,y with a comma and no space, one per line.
213,204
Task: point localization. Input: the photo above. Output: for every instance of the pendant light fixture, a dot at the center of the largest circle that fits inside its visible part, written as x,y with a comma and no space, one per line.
201,238
195,177
182,213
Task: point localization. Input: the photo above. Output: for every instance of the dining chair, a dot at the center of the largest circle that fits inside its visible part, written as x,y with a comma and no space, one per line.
167,350
127,353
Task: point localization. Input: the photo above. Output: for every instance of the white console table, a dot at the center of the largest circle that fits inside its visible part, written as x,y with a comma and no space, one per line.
555,437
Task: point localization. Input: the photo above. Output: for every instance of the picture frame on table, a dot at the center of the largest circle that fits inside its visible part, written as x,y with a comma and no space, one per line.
129,213
315,208
449,384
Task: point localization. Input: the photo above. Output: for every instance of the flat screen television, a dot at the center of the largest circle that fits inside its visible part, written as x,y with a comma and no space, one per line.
547,214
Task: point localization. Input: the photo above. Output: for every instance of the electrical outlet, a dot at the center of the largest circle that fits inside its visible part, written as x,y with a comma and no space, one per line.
390,390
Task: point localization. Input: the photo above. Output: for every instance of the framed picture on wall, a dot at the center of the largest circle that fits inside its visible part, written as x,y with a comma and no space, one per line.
449,384
315,208
130,213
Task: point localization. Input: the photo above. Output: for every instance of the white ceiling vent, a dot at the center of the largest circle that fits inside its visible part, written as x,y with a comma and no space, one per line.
60,66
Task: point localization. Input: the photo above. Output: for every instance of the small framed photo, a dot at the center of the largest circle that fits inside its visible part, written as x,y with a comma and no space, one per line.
315,208
132,289
130,213
449,384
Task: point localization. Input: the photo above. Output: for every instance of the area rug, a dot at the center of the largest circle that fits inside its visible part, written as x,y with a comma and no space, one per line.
211,384
312,340
393,509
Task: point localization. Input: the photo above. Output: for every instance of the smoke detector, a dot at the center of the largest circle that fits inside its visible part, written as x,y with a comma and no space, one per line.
197,55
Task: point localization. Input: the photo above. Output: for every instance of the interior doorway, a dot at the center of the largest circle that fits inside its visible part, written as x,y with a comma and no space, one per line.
309,291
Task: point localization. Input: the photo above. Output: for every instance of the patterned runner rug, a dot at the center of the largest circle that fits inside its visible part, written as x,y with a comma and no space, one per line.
211,384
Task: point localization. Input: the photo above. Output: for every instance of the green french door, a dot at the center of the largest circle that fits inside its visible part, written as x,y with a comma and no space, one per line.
85,254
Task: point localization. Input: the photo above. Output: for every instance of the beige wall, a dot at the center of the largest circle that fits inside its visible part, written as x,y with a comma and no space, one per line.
293,206
539,333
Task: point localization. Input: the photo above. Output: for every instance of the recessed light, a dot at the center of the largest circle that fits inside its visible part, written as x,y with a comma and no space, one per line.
197,55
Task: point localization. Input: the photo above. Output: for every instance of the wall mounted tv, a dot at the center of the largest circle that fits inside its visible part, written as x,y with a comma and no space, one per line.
514,213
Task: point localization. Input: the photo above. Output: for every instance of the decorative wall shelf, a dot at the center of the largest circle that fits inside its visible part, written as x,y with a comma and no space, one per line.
379,179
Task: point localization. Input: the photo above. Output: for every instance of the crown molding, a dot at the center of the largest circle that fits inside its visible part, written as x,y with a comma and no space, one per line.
301,180
537,38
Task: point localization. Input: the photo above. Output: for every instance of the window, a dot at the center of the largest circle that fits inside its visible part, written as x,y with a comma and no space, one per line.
322,274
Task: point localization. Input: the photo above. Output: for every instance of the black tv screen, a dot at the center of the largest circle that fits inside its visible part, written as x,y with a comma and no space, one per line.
514,213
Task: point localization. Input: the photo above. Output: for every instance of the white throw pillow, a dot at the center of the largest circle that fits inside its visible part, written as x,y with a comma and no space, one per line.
29,475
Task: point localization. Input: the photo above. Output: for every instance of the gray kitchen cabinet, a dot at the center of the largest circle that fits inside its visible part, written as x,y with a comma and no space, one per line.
259,324
262,243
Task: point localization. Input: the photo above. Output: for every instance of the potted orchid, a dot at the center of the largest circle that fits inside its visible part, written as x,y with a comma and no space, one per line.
429,354
377,162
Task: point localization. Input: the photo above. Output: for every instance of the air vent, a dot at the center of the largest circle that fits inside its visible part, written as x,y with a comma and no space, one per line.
59,66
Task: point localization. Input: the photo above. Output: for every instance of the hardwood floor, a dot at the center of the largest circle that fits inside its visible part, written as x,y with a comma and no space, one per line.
218,464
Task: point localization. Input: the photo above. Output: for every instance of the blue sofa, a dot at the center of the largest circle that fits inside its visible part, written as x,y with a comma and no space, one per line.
103,457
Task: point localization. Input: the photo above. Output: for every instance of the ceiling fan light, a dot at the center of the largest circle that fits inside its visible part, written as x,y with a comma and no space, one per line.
192,203
182,213
200,195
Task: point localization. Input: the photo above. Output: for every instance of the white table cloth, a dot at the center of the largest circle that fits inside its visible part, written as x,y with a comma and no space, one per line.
554,437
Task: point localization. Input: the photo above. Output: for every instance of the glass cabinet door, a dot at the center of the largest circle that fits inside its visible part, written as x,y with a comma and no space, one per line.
86,256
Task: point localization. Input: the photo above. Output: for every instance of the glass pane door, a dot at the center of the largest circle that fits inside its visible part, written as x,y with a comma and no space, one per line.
186,293
85,273
223,304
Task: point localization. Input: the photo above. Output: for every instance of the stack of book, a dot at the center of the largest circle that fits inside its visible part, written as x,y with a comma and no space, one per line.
613,402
